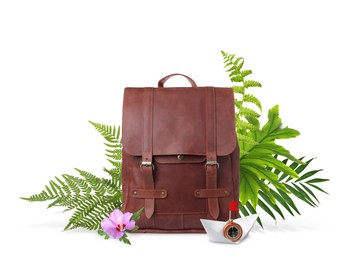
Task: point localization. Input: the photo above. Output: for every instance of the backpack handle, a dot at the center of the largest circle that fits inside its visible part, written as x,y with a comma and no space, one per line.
164,79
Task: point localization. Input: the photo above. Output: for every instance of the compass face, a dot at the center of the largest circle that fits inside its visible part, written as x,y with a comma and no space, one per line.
232,231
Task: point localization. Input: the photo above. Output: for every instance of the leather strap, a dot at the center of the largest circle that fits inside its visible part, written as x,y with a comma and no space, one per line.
149,194
212,193
211,166
235,179
164,79
147,150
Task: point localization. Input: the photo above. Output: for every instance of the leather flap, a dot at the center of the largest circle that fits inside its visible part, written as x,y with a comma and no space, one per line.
179,121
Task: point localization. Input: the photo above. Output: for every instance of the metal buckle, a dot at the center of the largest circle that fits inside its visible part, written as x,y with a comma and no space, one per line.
148,164
212,163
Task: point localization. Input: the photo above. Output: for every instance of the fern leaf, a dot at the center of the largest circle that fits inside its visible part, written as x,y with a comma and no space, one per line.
238,89
238,104
72,185
244,125
246,139
252,99
245,111
42,196
65,189
83,210
245,73
107,131
231,68
235,72
236,78
81,184
47,194
90,214
252,84
56,202
115,174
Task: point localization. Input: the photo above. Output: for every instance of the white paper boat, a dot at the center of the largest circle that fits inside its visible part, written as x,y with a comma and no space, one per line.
214,228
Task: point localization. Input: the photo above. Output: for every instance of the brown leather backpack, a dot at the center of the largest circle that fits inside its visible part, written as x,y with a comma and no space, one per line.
180,156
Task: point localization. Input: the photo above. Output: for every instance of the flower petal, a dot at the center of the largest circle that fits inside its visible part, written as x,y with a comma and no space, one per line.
130,225
116,216
126,218
109,227
119,234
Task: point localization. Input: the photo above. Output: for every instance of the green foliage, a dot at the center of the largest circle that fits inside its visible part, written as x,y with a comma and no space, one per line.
103,234
265,180
270,176
125,239
89,197
137,214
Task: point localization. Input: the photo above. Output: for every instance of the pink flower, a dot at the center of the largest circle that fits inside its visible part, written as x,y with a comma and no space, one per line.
117,223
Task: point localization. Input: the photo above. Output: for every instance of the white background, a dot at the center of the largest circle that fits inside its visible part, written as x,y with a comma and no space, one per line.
63,63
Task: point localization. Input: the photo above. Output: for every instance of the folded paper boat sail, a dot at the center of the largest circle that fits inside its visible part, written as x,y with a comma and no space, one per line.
214,229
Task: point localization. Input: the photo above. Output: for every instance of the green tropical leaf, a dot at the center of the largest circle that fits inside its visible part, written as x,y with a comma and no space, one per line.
308,175
249,187
299,195
271,204
273,148
260,172
266,208
243,210
309,191
283,175
318,188
289,201
281,201
306,195
91,198
303,166
317,180
253,211
268,161
260,163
